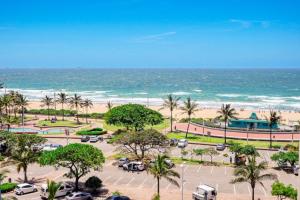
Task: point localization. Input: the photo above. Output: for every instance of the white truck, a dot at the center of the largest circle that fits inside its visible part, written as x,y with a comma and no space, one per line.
205,192
63,190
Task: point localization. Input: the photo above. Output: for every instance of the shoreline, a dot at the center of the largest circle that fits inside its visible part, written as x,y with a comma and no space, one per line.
288,117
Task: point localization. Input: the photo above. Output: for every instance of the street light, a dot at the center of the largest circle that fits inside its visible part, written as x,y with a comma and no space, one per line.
182,180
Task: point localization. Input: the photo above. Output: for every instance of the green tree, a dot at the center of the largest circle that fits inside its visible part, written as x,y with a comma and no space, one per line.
52,189
211,152
249,150
171,102
78,158
93,183
21,151
273,119
291,157
87,103
226,113
22,102
160,170
251,173
139,143
76,102
283,192
199,152
132,116
47,101
189,107
62,99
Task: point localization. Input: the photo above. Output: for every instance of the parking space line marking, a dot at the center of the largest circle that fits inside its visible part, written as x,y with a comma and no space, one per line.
168,186
56,177
106,178
225,170
234,189
141,185
154,185
217,187
186,168
249,190
264,191
116,182
199,168
211,170
132,179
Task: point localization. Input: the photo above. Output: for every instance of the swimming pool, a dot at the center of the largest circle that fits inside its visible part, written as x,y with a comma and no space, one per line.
31,130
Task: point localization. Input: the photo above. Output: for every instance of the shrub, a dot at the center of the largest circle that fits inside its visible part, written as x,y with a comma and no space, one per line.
7,187
155,197
92,115
93,183
116,193
94,131
52,112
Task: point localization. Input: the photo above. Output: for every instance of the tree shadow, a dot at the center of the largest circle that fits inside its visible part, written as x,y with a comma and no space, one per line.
32,181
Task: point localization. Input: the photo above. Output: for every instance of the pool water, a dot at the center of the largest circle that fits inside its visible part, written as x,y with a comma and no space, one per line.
27,130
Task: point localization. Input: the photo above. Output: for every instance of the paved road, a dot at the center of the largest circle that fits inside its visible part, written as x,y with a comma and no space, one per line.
114,177
198,129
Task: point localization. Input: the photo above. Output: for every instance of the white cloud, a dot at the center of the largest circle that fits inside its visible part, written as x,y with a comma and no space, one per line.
155,37
250,23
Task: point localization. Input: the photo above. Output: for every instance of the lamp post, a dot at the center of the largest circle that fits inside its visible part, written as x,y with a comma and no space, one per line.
182,180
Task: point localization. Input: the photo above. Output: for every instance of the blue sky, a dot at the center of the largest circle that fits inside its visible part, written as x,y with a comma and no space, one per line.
156,33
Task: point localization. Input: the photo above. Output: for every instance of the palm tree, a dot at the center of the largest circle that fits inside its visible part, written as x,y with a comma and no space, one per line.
226,113
47,101
2,177
251,173
13,101
76,101
109,105
52,189
159,170
22,102
62,99
190,107
171,103
87,103
272,121
6,103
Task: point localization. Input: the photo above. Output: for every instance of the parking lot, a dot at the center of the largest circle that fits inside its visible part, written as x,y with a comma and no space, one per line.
193,175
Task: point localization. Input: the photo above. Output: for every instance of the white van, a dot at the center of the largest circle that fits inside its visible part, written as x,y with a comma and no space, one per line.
205,192
63,190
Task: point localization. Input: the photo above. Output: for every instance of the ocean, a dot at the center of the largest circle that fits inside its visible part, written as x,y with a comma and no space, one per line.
244,88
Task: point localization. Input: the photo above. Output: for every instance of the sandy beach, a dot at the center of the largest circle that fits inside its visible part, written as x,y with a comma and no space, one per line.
287,117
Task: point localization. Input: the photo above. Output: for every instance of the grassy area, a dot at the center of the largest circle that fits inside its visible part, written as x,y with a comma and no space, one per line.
58,123
159,127
206,139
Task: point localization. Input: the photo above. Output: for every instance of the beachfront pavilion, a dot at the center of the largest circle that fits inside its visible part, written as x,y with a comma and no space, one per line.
251,123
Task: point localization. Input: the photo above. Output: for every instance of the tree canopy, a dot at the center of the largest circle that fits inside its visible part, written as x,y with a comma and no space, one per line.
133,116
78,158
141,142
291,157
283,192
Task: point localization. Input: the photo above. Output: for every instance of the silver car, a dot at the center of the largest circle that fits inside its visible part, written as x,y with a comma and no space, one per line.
25,188
79,196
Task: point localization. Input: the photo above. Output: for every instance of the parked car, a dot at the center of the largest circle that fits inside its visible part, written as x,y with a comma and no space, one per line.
93,139
51,147
182,143
79,196
282,164
220,147
25,188
205,192
37,147
122,161
134,166
117,197
100,138
173,142
296,170
64,189
85,138
169,163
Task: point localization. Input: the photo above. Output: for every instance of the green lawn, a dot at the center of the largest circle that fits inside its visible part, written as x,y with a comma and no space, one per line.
159,127
206,139
58,123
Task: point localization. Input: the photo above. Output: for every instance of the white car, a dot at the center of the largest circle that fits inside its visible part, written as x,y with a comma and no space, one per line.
296,170
25,188
63,190
79,196
93,139
51,147
182,143
205,192
134,166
